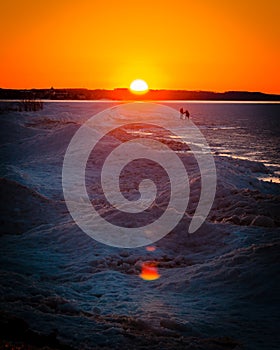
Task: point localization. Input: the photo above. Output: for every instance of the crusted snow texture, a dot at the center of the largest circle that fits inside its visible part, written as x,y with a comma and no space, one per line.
218,288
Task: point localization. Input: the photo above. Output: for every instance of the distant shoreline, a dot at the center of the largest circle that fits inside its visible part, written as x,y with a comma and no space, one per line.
121,94
151,101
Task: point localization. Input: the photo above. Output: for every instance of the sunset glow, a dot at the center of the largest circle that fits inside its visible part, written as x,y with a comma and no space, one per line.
212,45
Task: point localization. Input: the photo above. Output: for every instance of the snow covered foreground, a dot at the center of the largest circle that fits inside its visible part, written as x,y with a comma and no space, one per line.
218,288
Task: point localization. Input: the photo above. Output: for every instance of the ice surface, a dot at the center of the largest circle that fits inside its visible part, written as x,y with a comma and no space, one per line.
218,288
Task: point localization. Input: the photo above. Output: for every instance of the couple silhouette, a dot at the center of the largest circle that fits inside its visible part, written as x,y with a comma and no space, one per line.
184,114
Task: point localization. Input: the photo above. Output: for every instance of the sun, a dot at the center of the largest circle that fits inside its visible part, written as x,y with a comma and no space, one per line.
139,86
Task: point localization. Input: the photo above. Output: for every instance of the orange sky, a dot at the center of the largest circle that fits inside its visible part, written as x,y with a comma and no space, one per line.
214,45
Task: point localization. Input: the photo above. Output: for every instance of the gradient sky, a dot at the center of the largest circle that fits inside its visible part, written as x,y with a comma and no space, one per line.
213,45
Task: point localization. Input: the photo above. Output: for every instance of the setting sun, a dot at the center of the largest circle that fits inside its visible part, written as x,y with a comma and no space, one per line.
139,86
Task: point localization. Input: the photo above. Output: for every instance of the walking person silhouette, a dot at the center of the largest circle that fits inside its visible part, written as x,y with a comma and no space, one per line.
184,115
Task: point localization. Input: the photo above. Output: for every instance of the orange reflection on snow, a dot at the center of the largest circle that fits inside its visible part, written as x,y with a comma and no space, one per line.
150,248
149,271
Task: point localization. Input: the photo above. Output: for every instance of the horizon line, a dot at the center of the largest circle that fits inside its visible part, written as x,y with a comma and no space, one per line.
150,89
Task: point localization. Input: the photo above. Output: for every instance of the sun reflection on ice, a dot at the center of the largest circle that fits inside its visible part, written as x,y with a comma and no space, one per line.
149,271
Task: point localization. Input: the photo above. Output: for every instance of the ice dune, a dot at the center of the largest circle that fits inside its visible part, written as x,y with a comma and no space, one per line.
218,287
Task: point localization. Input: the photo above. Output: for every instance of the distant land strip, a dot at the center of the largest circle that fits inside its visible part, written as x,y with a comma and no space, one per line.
126,95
